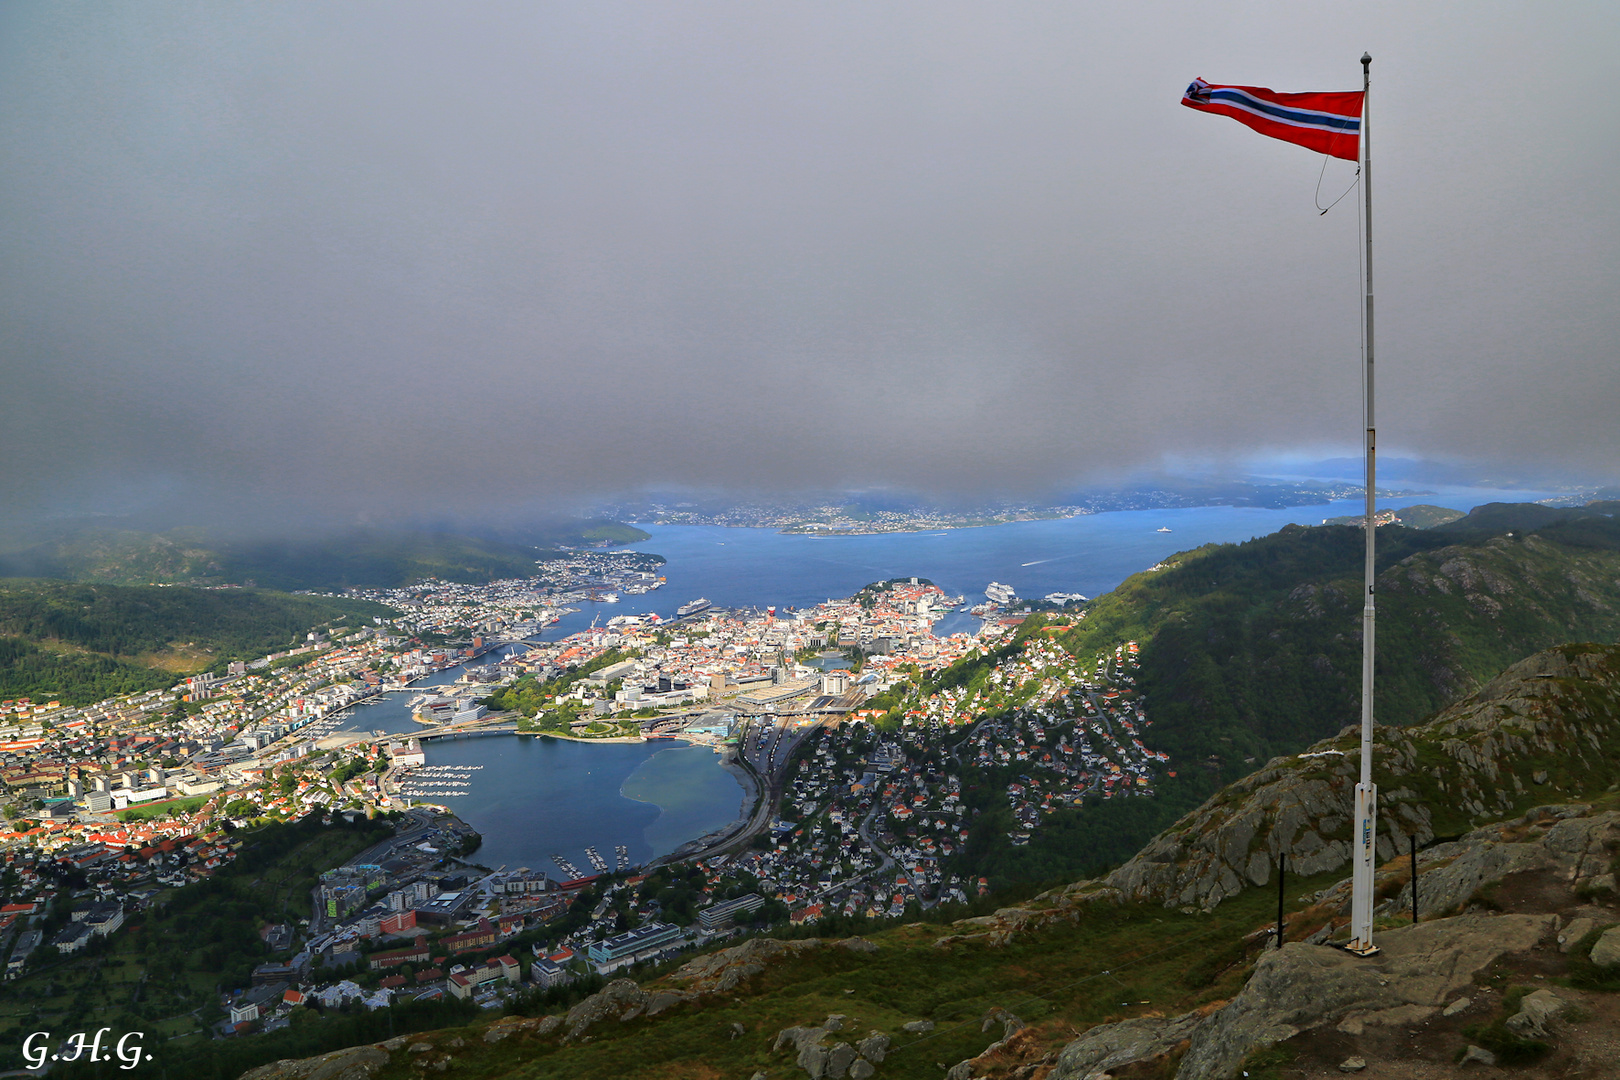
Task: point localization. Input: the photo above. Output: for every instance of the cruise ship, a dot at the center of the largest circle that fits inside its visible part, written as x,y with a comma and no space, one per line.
700,604
999,593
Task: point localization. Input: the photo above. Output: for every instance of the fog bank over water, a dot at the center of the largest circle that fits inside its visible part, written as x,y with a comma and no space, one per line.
314,262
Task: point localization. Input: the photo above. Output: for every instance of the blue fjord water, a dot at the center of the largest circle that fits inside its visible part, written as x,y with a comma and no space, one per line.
538,796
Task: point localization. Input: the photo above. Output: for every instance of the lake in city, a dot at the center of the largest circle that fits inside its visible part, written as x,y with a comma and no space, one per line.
538,796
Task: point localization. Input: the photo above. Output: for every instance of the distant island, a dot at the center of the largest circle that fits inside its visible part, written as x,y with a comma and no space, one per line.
1421,516
865,514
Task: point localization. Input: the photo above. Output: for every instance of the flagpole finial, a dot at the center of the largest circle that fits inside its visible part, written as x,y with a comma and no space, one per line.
1366,59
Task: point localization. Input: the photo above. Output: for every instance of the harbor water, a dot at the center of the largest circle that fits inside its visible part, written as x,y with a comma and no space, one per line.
535,797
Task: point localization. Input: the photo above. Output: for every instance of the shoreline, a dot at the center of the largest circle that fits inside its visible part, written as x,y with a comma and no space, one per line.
584,738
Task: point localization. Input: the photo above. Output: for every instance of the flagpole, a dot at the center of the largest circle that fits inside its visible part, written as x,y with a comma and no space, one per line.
1363,843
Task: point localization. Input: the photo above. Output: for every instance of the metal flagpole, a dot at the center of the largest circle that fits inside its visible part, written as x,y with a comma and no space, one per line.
1363,844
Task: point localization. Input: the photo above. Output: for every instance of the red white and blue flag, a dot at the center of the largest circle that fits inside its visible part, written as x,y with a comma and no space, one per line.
1328,122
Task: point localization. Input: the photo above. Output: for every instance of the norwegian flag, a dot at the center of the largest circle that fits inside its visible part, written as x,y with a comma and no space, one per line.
1327,122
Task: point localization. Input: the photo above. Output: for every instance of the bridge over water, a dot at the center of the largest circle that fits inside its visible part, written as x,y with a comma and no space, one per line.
468,733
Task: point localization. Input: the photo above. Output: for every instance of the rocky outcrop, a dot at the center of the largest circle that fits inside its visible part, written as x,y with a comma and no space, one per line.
721,972
1563,841
1299,987
620,1000
1304,987
1479,758
1606,951
823,1062
1535,1015
353,1063
716,973
1110,1046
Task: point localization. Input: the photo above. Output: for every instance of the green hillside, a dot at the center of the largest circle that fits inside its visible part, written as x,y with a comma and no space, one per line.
369,558
1421,516
83,642
1253,650
1508,517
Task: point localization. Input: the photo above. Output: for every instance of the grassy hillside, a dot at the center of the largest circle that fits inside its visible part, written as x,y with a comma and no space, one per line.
1506,517
1251,650
81,643
1254,650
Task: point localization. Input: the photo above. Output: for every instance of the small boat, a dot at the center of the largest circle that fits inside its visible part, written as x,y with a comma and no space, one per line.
1162,528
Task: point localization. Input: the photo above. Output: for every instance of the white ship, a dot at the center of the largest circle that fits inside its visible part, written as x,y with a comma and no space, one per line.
998,593
1163,528
700,604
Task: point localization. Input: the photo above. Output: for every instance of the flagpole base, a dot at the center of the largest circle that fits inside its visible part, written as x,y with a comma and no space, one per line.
1358,948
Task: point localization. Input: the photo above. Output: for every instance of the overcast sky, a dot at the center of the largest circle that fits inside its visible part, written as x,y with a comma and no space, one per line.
358,258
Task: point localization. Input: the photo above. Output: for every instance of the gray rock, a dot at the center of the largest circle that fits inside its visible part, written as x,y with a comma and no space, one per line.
760,1075
1478,1055
1300,986
861,1070
839,1059
798,1037
835,1022
1570,936
665,999
858,944
1457,1006
962,1070
1606,952
354,1063
620,998
721,972
1352,1064
1109,1046
874,1047
1535,1013
918,1027
813,1060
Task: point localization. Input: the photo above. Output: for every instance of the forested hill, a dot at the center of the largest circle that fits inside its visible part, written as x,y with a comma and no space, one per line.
1252,650
368,558
80,643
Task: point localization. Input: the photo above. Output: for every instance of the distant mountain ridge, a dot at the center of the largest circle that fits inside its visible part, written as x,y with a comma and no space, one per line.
361,558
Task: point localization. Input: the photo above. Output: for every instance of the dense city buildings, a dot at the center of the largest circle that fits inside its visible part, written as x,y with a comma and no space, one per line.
875,749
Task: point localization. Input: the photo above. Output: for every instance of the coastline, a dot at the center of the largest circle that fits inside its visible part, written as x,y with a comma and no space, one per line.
742,828
585,738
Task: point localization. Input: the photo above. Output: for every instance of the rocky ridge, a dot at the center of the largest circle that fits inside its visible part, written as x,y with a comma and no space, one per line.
1528,733
1422,970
